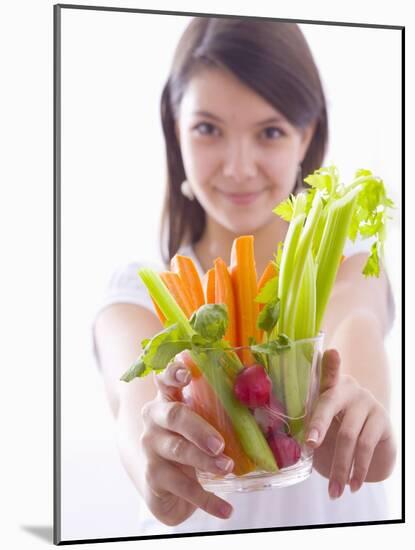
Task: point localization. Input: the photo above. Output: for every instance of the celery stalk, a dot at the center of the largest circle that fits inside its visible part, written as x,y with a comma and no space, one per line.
249,434
305,319
287,266
305,327
285,380
303,249
168,305
294,399
331,249
293,402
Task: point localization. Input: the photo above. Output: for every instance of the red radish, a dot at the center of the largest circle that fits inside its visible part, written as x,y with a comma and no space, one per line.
270,418
285,448
253,386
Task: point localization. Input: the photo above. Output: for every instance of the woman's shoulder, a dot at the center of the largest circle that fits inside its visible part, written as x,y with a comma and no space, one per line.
125,286
125,275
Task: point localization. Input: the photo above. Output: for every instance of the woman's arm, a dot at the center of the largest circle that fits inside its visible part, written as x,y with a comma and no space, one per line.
358,317
161,441
351,416
119,330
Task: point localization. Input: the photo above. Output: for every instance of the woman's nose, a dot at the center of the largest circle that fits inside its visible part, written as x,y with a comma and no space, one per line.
239,162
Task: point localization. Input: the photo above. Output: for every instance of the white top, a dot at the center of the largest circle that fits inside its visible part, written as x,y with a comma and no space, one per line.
306,503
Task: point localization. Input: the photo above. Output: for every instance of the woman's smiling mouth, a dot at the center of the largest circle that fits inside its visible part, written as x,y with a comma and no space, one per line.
242,198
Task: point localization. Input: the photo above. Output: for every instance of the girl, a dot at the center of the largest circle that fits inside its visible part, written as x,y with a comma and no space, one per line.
244,118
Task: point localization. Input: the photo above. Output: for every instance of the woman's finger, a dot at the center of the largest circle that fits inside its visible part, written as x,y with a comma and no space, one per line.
347,436
172,379
179,418
176,448
171,479
330,369
328,405
369,438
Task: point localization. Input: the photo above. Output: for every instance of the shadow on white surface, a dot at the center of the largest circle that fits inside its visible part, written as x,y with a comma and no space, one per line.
44,532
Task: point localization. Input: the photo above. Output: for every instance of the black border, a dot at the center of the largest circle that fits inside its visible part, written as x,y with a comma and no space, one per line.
57,274
57,512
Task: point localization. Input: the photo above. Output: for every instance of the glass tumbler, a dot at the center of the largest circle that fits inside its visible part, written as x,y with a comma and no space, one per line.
261,404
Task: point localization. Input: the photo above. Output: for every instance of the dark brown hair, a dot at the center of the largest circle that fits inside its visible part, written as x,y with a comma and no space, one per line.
274,60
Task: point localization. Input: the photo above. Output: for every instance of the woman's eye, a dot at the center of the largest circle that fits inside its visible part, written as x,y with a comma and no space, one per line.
206,129
272,132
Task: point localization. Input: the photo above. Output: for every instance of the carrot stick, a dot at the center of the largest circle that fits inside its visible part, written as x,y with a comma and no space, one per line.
206,403
224,295
209,285
186,269
244,280
178,291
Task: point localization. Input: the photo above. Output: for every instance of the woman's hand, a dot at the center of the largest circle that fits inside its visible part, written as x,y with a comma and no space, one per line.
174,442
349,428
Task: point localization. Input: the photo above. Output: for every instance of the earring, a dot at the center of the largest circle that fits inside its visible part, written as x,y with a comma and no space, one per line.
186,190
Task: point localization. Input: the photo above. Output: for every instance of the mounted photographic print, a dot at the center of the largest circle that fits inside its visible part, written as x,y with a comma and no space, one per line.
228,212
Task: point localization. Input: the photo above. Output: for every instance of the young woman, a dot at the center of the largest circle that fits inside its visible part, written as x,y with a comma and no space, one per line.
244,119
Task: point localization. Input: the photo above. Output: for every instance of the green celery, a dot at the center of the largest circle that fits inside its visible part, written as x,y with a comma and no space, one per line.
305,320
287,267
331,248
245,426
301,253
168,305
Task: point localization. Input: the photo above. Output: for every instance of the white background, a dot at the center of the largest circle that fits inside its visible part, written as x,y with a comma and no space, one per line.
27,281
112,183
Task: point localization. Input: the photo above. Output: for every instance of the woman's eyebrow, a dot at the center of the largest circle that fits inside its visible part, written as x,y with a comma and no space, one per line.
208,115
270,120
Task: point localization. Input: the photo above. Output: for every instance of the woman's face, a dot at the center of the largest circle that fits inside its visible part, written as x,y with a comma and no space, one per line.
240,155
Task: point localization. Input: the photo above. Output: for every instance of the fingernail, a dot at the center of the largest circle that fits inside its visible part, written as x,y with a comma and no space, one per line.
224,463
225,509
182,375
334,489
214,444
354,485
313,435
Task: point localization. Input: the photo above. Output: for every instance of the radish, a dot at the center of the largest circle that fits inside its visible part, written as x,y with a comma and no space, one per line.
285,448
253,386
270,417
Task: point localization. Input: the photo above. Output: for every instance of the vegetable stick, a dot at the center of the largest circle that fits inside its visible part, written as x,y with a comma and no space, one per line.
224,295
186,269
209,285
205,402
178,291
244,280
158,311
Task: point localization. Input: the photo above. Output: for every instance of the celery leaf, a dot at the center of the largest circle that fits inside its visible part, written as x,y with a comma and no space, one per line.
268,292
372,266
268,317
158,352
281,343
285,208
